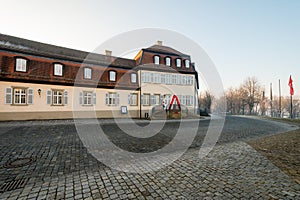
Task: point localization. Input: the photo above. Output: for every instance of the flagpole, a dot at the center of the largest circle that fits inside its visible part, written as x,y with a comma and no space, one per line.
279,99
291,113
271,99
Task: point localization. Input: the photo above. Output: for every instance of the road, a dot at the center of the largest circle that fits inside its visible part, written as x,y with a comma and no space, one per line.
62,167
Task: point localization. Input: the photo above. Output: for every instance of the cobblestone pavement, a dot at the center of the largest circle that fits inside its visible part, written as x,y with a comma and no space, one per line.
63,169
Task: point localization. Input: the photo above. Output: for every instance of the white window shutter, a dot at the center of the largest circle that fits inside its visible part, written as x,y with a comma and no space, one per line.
8,96
106,98
118,99
129,99
30,96
142,99
94,98
66,97
49,96
80,98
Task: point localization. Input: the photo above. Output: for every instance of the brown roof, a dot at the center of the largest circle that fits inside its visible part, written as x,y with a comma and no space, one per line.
166,50
42,49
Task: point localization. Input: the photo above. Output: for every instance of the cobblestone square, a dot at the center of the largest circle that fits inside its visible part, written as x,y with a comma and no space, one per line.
63,169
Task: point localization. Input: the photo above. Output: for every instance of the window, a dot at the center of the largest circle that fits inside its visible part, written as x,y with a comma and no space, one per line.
189,100
168,61
87,73
146,99
162,78
133,78
57,97
18,96
156,99
156,60
112,75
132,99
156,78
21,65
184,80
168,79
174,77
178,62
58,69
187,63
189,80
112,99
147,77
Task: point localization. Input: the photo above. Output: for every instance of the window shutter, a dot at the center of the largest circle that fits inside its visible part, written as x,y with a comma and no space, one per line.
80,98
118,99
49,97
94,98
142,99
129,99
30,96
106,98
151,99
8,96
66,97
191,100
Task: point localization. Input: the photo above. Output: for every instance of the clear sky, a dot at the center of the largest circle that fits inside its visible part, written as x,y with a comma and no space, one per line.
243,38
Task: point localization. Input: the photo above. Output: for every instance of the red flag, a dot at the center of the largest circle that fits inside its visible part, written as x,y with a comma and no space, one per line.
291,86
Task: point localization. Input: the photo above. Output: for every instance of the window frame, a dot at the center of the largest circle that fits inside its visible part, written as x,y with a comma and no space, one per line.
156,59
87,98
133,101
178,62
148,99
54,69
85,73
185,63
110,72
57,97
16,64
20,96
168,58
131,78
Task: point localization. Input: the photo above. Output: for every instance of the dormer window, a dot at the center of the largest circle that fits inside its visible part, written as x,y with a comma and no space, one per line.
87,74
168,61
187,63
178,62
133,78
156,60
21,65
58,69
112,76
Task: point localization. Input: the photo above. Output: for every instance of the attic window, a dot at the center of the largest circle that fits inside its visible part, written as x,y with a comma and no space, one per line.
168,61
21,65
187,63
156,60
87,73
112,76
58,69
178,62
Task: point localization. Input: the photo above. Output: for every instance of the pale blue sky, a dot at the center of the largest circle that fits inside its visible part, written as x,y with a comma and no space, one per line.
243,38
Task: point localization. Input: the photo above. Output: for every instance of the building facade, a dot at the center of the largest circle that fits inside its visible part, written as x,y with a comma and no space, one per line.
42,81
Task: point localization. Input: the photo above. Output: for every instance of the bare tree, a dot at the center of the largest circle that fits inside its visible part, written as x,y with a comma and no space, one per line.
205,101
253,90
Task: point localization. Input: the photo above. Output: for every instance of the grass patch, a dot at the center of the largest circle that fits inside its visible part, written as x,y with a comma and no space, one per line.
283,150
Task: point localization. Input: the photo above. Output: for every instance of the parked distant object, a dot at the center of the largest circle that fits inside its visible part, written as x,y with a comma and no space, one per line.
203,112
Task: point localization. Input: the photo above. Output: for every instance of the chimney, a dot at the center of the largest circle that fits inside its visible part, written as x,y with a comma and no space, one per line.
108,52
159,43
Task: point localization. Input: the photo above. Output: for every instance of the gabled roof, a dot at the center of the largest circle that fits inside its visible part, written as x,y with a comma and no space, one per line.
42,49
165,50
